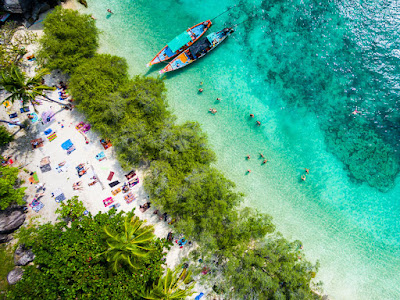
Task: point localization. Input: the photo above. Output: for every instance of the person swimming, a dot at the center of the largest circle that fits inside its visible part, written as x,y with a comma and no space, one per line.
303,177
258,123
212,110
261,155
219,99
201,90
109,10
307,171
251,116
248,156
264,161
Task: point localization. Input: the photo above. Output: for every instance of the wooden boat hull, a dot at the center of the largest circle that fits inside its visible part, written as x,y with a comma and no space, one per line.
195,32
197,51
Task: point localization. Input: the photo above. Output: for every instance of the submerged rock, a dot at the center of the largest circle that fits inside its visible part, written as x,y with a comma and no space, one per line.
23,256
15,275
11,221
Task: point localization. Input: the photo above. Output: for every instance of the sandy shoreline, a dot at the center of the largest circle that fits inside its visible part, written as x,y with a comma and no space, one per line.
64,127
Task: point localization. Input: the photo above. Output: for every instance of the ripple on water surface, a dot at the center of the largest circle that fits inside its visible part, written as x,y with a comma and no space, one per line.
302,67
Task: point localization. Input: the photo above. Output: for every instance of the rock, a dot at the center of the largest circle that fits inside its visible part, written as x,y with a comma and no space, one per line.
11,221
15,275
17,6
23,256
5,238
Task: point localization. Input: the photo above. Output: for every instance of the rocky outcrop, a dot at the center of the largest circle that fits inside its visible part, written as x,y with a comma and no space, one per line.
11,220
23,256
17,6
15,275
5,238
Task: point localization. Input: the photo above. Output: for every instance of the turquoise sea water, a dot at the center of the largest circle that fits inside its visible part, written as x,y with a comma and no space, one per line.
302,67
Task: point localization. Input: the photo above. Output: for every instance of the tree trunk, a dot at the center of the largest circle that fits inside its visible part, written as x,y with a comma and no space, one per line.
55,101
14,123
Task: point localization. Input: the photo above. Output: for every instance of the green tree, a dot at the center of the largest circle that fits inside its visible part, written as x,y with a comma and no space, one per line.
71,210
131,246
10,192
171,286
67,264
68,38
22,87
5,136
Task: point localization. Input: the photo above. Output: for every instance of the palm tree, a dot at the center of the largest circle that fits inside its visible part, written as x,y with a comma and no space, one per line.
171,286
132,245
14,81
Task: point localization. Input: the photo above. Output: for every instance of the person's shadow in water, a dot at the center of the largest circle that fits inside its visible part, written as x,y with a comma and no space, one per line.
108,15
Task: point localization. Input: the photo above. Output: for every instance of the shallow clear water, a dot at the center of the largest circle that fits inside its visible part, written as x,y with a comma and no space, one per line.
302,68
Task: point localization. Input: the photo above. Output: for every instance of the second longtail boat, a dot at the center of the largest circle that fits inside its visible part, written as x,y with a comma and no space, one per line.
181,42
198,50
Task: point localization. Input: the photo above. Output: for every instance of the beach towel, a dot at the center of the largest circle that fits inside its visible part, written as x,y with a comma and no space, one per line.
48,131
116,191
101,156
6,104
106,143
45,161
36,205
199,296
85,128
108,201
81,170
47,116
130,175
114,183
34,178
133,182
13,115
66,145
80,125
24,109
129,198
15,120
37,143
45,168
110,176
52,137
35,117
114,206
71,149
60,198
62,167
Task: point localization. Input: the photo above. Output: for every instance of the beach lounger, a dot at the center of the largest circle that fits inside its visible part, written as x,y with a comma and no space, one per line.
101,156
108,201
110,176
37,143
114,206
114,183
24,109
116,191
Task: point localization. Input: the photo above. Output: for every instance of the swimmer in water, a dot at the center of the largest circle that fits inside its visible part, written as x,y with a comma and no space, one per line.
303,177
248,156
218,99
251,116
109,10
307,171
258,123
264,161
248,171
261,155
201,90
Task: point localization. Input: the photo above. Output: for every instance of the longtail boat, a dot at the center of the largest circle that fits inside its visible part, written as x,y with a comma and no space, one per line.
198,50
181,42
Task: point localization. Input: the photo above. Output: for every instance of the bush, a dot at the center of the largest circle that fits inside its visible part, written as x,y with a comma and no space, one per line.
68,38
9,190
5,136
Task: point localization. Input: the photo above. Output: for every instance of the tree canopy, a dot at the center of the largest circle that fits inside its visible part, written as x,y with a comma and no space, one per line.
10,192
68,38
5,136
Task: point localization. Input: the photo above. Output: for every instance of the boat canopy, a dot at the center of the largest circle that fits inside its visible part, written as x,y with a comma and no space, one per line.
200,46
212,37
179,41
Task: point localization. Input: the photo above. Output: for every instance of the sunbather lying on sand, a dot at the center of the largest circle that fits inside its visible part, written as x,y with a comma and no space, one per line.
77,185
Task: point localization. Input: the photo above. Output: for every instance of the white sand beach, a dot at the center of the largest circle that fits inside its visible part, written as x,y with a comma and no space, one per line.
60,179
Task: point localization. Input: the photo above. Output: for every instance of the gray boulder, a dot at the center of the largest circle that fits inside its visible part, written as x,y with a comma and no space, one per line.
23,256
17,6
5,238
15,275
11,221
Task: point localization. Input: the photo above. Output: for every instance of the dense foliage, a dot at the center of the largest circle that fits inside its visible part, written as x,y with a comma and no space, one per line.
5,136
6,265
71,210
69,37
133,113
69,264
10,192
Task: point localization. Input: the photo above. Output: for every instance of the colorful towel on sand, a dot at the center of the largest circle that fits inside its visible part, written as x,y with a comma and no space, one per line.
48,131
110,176
35,117
130,175
36,205
34,178
47,116
129,197
60,198
114,206
13,115
116,191
101,156
71,149
114,183
133,182
15,120
108,201
37,143
52,137
66,145
24,109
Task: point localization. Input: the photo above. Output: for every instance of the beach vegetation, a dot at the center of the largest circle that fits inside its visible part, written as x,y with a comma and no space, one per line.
68,38
5,136
71,210
10,190
6,265
131,246
67,263
174,285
